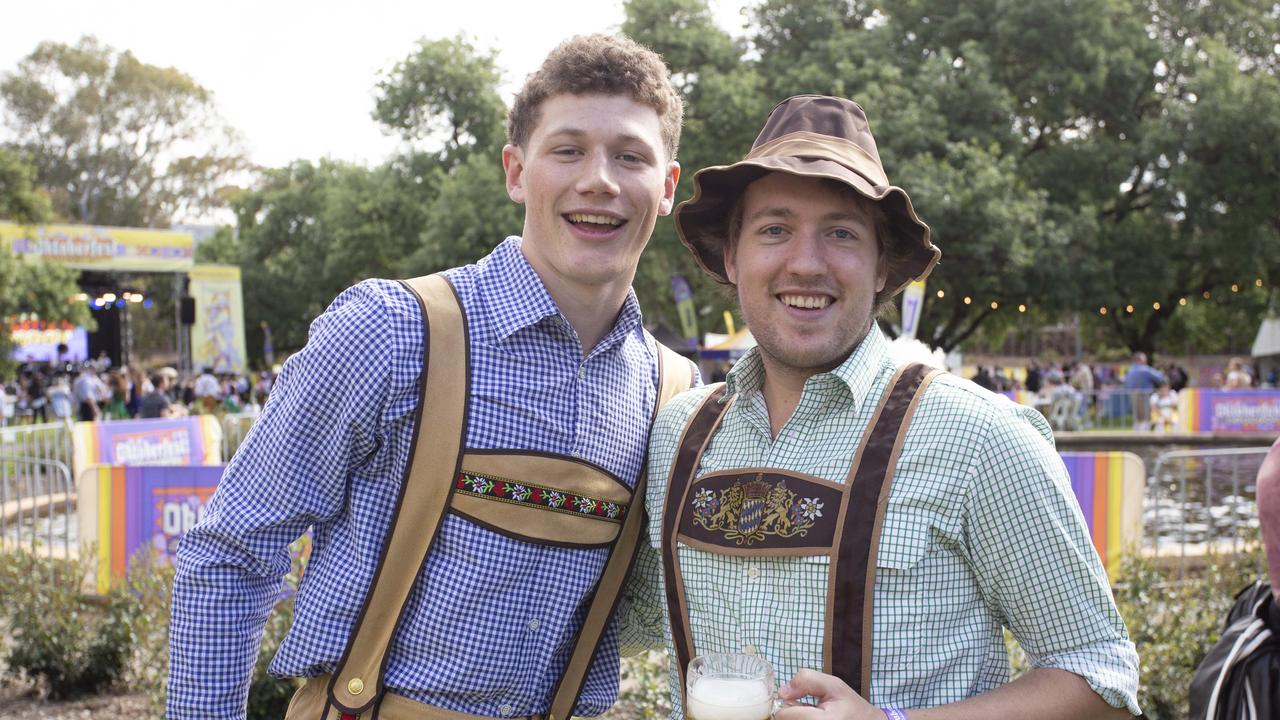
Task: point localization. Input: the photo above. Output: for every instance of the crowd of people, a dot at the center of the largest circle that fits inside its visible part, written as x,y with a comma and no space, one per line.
93,390
1069,393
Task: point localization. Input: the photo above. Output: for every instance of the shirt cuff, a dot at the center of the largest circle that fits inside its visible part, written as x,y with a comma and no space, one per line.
1110,668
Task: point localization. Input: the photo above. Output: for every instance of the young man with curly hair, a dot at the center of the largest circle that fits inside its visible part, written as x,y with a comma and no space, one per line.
481,596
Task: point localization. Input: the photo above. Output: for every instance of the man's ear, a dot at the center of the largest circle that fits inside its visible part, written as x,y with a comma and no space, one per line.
669,188
882,273
730,264
513,166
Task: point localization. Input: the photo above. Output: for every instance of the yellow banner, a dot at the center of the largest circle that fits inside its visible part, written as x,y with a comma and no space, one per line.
217,337
88,247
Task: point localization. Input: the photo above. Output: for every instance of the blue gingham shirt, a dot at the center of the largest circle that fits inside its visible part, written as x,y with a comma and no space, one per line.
491,620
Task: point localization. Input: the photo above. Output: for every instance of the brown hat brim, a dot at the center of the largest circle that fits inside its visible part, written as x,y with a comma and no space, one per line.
702,222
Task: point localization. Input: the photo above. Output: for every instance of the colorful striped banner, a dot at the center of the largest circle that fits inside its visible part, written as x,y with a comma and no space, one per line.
146,508
1109,487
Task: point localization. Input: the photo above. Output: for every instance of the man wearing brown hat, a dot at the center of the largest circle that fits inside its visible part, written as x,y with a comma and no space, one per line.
867,528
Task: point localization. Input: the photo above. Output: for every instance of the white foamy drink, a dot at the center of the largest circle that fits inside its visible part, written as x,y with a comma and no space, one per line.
713,698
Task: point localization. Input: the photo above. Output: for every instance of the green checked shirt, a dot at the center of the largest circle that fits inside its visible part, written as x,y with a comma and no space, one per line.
981,532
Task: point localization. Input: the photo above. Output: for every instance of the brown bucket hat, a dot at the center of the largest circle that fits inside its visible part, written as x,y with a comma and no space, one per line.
812,136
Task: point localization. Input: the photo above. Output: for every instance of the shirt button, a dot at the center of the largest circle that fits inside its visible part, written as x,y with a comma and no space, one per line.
749,649
582,372
506,711
753,572
534,624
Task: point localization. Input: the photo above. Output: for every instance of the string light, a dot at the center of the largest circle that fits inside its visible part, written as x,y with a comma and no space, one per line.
1022,308
1128,309
1102,311
967,300
1183,301
995,305
1155,306
1258,282
1207,294
942,294
1235,288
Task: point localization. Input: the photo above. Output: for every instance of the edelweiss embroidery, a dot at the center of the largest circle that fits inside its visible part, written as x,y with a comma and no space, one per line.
533,495
748,512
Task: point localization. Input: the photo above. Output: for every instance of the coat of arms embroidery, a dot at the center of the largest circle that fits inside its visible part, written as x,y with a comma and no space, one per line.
749,512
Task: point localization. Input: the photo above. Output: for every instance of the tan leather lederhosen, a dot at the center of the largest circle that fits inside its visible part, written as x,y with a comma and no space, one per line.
535,497
768,512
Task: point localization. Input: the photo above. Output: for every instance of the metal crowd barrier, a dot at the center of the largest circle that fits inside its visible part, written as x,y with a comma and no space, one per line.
37,503
1202,502
234,429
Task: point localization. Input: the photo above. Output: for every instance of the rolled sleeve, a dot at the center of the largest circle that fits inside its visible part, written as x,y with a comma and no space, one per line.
1036,563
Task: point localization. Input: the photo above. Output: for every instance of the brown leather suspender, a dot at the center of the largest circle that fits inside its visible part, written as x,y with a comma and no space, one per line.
855,537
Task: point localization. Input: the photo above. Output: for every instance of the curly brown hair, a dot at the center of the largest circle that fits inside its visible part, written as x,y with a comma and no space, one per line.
606,64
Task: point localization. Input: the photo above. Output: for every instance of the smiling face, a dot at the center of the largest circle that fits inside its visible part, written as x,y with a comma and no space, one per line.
593,178
807,266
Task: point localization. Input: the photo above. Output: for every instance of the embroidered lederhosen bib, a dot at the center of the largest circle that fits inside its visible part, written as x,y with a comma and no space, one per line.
538,498
768,512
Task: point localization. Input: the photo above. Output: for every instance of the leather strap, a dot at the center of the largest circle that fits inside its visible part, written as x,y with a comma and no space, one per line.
853,574
675,375
847,645
357,683
693,442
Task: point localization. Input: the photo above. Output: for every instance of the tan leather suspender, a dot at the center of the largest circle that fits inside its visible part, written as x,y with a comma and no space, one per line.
424,493
357,684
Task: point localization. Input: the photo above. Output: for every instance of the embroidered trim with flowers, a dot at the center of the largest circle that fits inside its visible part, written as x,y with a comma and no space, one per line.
528,494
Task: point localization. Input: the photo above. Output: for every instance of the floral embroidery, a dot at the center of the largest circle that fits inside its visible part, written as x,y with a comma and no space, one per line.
531,495
749,512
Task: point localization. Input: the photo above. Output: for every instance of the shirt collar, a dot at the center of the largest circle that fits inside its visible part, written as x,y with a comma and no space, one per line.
857,373
516,298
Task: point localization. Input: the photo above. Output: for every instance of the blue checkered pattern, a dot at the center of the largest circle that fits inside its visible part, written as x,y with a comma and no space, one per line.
491,620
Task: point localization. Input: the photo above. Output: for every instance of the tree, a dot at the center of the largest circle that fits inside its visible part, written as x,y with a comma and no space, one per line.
1155,124
42,289
114,140
445,93
725,105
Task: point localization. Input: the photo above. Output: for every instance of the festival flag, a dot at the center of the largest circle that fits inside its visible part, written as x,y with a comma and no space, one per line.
684,306
912,300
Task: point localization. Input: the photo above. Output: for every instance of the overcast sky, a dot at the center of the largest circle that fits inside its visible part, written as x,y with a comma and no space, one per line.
296,78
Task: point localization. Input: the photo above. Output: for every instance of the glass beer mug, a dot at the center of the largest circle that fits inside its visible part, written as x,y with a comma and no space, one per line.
730,686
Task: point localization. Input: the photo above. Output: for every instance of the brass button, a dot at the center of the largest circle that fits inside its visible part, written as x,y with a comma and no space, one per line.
356,686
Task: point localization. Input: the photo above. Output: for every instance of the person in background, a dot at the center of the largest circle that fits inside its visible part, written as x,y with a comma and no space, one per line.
1140,381
156,404
1164,408
62,402
89,390
139,387
1238,376
207,390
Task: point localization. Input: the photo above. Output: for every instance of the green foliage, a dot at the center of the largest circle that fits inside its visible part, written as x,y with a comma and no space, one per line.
20,199
445,92
644,691
73,647
27,287
150,583
1174,620
116,141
